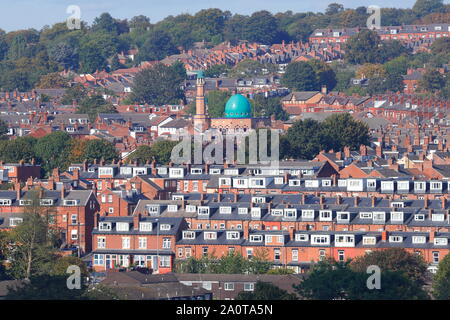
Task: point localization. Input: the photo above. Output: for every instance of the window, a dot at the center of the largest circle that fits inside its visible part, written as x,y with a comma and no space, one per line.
249,286
419,239
203,211
73,219
229,286
99,260
232,235
5,202
301,237
188,235
379,216
320,239
369,240
321,254
395,239
101,242
205,251
104,226
46,202
308,214
294,255
440,241
164,227
122,226
74,234
341,255
437,217
276,254
397,216
225,210
145,226
243,211
419,217
249,253
172,208
166,243
125,243
142,243
343,216
14,222
277,212
344,240
187,252
325,215
435,256
164,261
256,238
210,235
365,215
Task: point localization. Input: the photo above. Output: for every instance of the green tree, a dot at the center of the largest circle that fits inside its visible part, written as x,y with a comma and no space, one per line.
216,71
162,150
441,45
343,130
157,46
269,106
141,154
394,259
34,241
300,76
325,76
432,81
304,140
157,85
262,27
216,100
21,148
266,291
441,280
423,7
100,149
93,105
53,150
105,23
363,47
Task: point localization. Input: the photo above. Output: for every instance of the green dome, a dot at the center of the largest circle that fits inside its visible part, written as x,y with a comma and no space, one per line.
238,107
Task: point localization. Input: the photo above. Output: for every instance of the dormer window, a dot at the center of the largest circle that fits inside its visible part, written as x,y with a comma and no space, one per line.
210,235
243,211
395,239
71,202
256,238
343,216
145,226
172,208
203,211
25,202
46,202
325,215
232,235
307,214
419,239
191,208
5,202
152,209
369,240
440,241
397,216
178,197
276,212
256,212
290,213
196,170
258,199
122,226
365,215
189,235
301,237
437,217
164,227
104,226
379,216
419,217
397,205
225,210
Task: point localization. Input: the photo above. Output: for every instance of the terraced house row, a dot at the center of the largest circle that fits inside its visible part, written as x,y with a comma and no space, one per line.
289,230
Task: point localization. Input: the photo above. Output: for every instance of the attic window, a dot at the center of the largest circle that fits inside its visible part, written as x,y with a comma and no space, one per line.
46,202
5,202
164,227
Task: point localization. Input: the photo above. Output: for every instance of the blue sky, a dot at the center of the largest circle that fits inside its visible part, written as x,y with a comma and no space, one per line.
22,14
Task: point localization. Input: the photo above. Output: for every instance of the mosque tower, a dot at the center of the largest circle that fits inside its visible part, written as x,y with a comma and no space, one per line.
201,118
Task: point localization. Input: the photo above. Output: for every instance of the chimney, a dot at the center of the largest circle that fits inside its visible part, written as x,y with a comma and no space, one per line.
444,203
432,236
379,151
356,201
384,235
334,179
374,200
18,193
425,202
246,230
338,199
96,217
62,191
236,197
76,174
136,219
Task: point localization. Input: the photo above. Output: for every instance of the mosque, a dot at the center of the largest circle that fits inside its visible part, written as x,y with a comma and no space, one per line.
237,114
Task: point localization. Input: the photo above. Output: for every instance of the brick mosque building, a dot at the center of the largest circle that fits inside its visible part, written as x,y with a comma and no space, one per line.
237,114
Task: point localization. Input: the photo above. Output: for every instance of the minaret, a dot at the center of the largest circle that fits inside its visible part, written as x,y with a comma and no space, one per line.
201,119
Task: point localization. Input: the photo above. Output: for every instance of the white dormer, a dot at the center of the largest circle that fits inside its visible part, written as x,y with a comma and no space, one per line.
440,241
145,226
176,172
256,238
320,239
210,235
46,202
325,215
165,227
233,235
203,211
395,239
172,208
122,226
225,210
343,216
344,240
190,235
397,217
71,202
105,226
301,237
290,213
